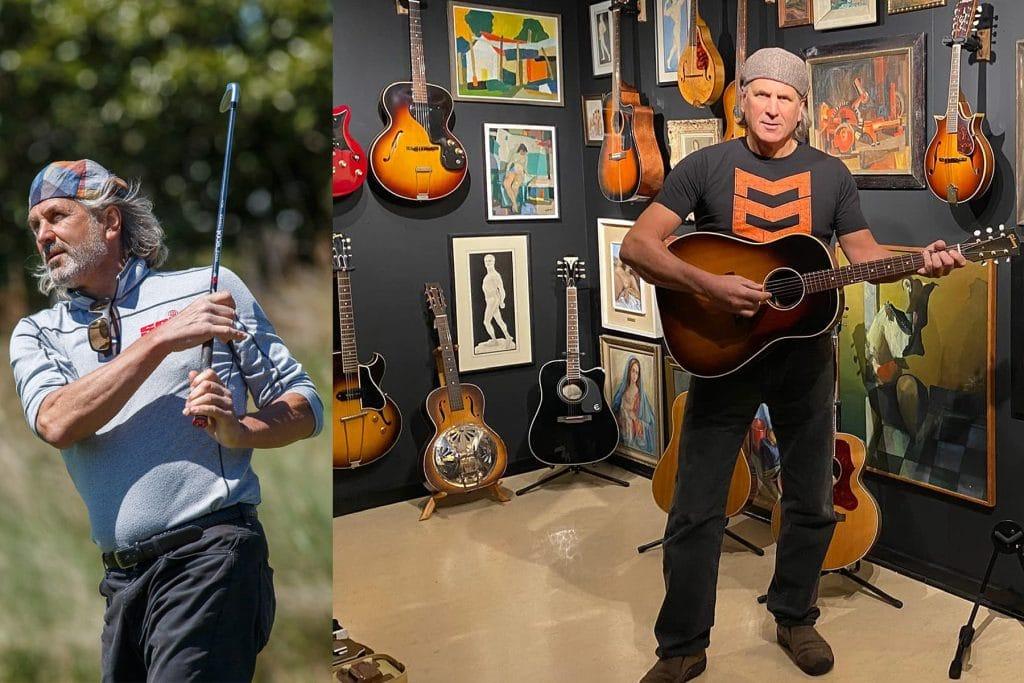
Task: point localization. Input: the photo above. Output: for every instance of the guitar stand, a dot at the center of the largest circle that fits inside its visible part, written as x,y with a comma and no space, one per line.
574,469
500,493
731,534
864,583
1007,539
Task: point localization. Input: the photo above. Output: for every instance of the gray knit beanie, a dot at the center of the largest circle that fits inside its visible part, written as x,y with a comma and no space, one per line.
776,64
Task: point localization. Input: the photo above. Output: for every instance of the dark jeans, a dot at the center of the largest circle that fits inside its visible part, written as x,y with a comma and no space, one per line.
796,380
199,613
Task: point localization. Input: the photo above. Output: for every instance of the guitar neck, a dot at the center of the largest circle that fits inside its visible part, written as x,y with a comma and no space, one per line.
741,39
572,335
347,324
834,278
616,62
953,98
419,67
451,368
692,37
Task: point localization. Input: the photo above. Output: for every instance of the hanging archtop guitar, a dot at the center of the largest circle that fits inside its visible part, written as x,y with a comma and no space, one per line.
798,271
417,157
573,425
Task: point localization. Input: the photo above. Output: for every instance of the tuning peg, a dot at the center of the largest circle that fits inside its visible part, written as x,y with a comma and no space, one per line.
1002,227
984,263
977,233
989,230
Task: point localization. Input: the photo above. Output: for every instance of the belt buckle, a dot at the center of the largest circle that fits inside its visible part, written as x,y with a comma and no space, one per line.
126,558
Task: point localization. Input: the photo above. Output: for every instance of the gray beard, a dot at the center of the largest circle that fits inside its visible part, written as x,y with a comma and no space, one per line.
79,259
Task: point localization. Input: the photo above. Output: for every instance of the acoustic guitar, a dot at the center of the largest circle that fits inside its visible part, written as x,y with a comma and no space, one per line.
348,163
464,454
573,424
730,98
799,271
701,72
742,486
367,422
630,165
959,164
417,157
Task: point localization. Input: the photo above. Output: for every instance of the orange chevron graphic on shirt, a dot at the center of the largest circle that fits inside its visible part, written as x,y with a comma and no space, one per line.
743,206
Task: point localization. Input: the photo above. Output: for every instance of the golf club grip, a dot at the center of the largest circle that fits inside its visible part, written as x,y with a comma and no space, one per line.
207,362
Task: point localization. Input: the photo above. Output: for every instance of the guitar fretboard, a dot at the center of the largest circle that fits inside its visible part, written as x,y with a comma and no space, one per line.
954,90
451,368
347,325
572,335
823,280
616,62
419,67
741,39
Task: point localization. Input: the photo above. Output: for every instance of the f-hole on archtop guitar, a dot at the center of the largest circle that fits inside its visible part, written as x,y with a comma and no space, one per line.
959,163
573,424
367,422
630,166
464,454
799,271
417,157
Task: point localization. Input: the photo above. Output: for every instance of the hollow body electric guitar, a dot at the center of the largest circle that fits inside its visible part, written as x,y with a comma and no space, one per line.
730,98
464,454
630,166
348,163
417,157
959,163
367,422
701,72
800,274
573,425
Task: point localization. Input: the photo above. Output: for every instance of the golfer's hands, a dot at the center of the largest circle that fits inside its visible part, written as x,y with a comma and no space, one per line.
939,261
211,315
735,294
209,397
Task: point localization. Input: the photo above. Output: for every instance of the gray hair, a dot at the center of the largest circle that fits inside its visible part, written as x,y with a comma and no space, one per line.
142,236
802,127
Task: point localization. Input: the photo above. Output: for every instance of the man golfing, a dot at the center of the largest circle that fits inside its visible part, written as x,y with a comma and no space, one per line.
109,376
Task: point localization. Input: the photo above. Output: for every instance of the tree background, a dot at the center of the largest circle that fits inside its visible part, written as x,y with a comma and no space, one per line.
136,86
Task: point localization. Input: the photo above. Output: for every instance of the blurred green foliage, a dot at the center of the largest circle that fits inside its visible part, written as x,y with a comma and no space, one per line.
136,86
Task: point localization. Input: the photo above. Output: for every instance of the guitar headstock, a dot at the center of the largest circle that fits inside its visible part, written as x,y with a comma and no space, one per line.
571,269
341,252
991,245
965,15
435,298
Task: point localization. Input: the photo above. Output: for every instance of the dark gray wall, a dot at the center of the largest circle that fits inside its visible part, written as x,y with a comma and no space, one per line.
397,247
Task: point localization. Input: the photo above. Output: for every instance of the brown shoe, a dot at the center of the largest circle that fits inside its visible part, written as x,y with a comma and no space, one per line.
807,649
676,669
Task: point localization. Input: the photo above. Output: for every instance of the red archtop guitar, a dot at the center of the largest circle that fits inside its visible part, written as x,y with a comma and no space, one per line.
348,163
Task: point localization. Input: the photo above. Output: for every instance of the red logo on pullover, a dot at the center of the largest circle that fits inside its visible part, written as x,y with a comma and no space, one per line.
146,329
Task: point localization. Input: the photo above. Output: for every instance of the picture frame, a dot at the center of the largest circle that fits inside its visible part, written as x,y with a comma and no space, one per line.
492,331
1017,268
901,6
521,171
686,136
635,308
925,421
671,30
893,155
636,401
830,14
1020,132
503,68
600,38
593,120
677,381
794,13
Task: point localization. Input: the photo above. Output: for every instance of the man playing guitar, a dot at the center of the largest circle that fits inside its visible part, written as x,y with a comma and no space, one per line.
761,187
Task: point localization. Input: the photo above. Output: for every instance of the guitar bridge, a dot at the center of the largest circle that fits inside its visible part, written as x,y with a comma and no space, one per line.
617,156
573,419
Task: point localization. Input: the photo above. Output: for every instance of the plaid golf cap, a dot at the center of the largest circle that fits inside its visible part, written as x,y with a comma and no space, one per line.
82,179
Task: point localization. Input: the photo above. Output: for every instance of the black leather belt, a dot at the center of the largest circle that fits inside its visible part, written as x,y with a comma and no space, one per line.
166,541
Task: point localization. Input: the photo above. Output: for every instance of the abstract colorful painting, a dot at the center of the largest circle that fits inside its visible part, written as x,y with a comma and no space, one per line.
503,55
522,172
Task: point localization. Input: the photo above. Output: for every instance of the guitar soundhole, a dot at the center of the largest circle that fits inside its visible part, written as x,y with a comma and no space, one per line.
786,287
571,392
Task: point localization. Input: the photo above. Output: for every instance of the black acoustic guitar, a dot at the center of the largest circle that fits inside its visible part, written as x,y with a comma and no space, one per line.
573,425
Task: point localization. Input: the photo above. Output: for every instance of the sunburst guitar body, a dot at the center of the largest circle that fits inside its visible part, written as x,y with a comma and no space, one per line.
630,165
959,165
367,422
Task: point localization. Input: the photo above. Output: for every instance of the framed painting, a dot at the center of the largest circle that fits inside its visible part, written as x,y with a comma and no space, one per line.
688,135
844,13
762,451
593,121
671,31
795,13
866,102
627,302
504,55
633,389
901,6
490,280
677,381
916,379
601,38
522,172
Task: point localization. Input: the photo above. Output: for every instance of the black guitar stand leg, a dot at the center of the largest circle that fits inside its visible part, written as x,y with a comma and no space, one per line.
573,469
1008,539
731,534
641,549
852,575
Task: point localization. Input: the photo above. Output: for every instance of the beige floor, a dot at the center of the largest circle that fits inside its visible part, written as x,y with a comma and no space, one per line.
549,587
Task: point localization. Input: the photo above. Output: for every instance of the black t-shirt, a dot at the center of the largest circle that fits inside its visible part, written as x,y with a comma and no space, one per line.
729,188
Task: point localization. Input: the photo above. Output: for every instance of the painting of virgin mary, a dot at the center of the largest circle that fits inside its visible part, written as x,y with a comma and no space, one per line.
633,410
